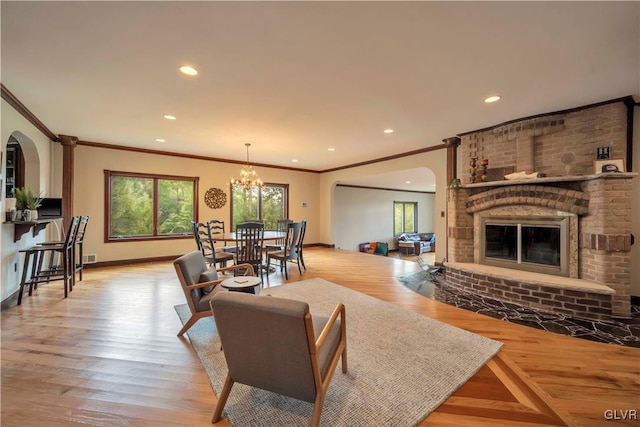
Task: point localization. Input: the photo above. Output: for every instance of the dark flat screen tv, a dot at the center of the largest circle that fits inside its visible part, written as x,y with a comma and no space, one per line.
50,208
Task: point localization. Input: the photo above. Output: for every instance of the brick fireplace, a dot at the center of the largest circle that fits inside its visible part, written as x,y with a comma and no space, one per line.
572,227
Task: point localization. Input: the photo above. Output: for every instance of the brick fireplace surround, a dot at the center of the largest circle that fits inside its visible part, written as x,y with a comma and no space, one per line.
598,205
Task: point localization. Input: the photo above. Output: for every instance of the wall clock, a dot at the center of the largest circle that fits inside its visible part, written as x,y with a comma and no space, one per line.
215,198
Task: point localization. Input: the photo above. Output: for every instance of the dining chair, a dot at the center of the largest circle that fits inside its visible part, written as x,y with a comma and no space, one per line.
303,233
278,244
290,251
217,229
206,245
249,244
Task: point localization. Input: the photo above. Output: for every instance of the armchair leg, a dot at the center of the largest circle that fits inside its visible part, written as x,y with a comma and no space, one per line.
317,409
222,399
344,360
187,325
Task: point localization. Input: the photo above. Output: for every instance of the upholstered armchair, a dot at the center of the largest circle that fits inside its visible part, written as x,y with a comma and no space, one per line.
200,283
276,345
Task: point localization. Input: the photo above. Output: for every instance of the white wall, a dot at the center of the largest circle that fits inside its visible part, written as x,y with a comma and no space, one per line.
366,215
436,161
37,151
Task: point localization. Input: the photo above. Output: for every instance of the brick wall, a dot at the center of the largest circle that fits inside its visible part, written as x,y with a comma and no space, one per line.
459,227
539,144
561,199
605,238
585,304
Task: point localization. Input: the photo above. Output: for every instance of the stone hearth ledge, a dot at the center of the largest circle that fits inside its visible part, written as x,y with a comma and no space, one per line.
532,278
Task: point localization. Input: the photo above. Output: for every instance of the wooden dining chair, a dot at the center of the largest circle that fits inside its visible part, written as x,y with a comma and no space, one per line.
217,230
249,243
290,251
206,245
278,244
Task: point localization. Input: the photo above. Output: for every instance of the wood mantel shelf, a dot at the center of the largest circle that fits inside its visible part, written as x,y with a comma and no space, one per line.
551,180
21,227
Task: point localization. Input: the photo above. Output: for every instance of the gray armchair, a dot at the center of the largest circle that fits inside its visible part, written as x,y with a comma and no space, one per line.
297,353
200,283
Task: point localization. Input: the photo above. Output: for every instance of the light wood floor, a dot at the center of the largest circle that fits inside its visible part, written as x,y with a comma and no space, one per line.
108,355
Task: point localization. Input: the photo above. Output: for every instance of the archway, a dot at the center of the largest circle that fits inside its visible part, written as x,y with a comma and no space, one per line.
25,168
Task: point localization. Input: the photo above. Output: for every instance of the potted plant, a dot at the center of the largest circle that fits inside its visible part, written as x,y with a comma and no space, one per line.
10,206
27,203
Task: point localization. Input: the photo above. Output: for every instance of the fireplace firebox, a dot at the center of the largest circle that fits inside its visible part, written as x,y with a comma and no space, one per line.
537,244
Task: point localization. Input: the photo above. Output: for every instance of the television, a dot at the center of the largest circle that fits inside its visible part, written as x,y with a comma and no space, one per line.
50,208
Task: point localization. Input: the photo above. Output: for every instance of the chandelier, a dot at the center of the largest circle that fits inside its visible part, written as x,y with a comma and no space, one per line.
248,177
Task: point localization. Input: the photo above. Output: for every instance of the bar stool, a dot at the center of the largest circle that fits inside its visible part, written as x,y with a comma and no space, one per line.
65,271
35,257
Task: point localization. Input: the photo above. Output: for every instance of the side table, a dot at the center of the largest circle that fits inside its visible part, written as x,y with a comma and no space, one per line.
248,284
405,247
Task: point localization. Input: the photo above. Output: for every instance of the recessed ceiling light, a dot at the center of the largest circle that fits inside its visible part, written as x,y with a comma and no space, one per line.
388,131
407,182
492,99
169,117
294,160
332,149
160,140
188,70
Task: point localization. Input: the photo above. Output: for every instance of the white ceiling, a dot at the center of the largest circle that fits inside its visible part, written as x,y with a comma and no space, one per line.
296,78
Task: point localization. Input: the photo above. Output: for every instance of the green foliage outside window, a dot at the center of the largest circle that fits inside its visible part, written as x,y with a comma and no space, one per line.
175,206
132,213
268,204
404,217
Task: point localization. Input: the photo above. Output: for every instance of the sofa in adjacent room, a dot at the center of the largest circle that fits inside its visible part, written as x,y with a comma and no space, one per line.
416,243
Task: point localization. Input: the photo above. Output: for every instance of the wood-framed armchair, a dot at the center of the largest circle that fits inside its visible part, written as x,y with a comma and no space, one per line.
200,283
276,345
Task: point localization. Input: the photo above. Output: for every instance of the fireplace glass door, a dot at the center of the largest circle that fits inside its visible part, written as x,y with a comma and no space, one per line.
525,243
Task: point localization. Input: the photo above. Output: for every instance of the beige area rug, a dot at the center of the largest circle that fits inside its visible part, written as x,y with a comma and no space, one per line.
402,365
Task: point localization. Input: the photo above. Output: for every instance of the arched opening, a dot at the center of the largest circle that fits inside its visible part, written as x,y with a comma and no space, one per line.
22,164
14,167
363,206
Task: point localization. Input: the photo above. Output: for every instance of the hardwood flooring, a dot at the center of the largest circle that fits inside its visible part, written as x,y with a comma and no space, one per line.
109,356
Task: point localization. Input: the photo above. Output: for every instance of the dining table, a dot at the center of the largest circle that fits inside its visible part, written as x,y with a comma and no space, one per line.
268,236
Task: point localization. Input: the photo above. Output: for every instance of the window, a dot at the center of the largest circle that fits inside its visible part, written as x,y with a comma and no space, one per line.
405,217
141,206
269,204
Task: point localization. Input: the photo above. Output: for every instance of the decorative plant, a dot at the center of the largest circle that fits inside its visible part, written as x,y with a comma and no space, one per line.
455,184
26,200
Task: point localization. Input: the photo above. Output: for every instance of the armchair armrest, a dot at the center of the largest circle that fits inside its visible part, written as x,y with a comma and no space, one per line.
338,311
204,284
